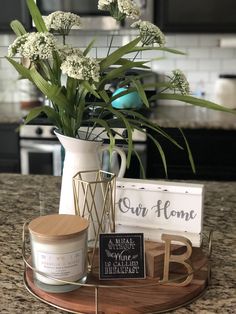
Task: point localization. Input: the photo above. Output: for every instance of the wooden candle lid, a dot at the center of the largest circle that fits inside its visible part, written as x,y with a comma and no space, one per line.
55,227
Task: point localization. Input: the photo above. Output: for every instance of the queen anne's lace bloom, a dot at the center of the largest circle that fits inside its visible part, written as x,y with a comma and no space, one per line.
81,68
120,9
150,33
35,46
66,51
62,22
105,4
128,8
179,82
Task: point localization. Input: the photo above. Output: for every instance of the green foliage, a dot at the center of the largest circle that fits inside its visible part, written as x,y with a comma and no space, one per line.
70,108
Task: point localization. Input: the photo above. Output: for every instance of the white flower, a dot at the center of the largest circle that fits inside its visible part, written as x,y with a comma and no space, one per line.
105,4
120,9
128,8
66,51
35,46
81,68
149,33
16,45
62,22
179,82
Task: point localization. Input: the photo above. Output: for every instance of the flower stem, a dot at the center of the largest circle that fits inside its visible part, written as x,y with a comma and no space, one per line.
64,39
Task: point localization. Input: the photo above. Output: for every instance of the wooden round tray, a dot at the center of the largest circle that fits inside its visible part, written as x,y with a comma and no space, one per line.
125,296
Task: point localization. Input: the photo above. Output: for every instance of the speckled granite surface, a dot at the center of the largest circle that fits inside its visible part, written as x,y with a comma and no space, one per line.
19,202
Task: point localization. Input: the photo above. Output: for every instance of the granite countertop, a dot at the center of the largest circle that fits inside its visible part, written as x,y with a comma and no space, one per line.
20,202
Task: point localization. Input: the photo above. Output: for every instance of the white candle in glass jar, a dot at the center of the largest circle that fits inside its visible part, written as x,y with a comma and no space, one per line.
59,249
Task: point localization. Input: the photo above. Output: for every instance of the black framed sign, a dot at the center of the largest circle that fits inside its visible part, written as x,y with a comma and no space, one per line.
121,256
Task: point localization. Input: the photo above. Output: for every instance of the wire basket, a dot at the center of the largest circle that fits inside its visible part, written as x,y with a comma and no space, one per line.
94,199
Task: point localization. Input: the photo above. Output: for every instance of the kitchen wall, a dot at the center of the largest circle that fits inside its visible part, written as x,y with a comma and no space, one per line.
204,61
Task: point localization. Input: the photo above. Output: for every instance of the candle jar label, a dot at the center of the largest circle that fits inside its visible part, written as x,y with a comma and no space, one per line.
66,266
59,252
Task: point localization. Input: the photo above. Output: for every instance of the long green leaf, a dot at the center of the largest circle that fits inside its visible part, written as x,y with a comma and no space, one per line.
126,124
142,170
24,72
120,71
139,119
56,67
81,108
90,89
53,92
17,28
33,114
118,53
108,130
170,50
36,16
71,85
129,132
51,114
162,154
190,156
193,100
141,92
125,92
89,47
104,96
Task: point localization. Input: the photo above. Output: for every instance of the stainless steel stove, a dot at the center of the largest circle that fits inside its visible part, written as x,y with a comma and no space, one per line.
39,148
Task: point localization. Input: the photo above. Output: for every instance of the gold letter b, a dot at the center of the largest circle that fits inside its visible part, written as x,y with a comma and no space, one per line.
182,259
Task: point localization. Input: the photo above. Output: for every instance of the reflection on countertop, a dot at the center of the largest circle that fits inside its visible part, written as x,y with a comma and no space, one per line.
19,202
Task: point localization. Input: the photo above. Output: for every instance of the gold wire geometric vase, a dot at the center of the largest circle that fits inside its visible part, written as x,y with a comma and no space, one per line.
94,199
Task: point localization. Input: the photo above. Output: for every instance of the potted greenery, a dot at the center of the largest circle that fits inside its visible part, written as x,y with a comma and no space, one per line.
44,62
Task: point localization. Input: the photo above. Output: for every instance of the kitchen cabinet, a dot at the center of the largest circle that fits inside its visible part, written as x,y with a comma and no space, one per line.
9,148
14,10
214,153
188,16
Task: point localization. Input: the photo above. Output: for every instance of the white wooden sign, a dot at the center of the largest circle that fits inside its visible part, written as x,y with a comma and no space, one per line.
156,207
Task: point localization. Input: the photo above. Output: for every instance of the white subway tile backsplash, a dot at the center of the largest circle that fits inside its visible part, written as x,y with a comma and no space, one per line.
3,51
197,76
202,64
78,41
118,41
151,54
170,41
4,64
6,40
211,65
214,76
209,40
229,66
164,66
222,53
200,53
181,53
187,64
187,41
102,52
93,53
9,73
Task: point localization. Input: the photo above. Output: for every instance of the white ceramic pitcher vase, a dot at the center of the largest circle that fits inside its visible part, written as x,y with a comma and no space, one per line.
81,155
